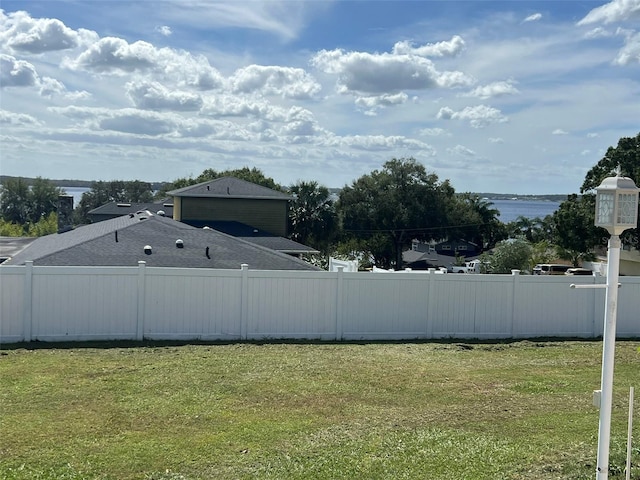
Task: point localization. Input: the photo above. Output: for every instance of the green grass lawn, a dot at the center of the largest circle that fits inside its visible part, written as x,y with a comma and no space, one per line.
519,410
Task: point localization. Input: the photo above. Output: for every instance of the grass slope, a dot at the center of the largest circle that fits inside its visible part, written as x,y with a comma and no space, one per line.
519,410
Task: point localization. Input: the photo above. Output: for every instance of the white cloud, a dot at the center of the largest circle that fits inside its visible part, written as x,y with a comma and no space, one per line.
461,151
630,53
534,17
441,49
21,33
164,30
17,119
287,82
615,11
495,89
364,73
478,116
16,73
433,132
593,135
496,140
154,96
559,131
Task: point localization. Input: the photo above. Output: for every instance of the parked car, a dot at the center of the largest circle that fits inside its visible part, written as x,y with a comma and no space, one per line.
550,269
578,271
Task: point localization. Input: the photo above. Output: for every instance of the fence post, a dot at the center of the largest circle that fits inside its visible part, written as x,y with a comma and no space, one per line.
339,312
244,302
27,314
429,327
141,300
514,299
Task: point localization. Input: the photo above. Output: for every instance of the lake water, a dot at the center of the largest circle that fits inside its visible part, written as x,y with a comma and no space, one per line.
509,209
512,209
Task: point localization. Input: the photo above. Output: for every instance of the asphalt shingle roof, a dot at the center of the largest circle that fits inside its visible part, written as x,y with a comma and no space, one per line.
121,241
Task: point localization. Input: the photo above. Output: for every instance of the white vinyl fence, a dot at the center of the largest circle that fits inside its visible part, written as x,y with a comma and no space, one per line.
136,303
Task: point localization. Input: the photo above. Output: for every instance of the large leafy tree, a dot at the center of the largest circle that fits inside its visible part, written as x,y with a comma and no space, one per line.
626,156
312,216
253,175
112,191
474,219
574,232
389,207
24,204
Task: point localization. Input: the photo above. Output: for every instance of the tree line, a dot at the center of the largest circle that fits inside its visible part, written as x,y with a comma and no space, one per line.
376,217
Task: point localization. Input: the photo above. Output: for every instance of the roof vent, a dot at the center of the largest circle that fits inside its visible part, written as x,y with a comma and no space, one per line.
131,215
179,244
206,227
123,204
167,204
208,187
206,252
147,249
161,213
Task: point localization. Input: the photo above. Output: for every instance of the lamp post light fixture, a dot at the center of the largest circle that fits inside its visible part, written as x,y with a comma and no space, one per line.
616,211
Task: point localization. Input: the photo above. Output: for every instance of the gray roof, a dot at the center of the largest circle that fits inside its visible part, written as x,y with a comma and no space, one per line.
11,246
260,237
123,208
229,187
121,242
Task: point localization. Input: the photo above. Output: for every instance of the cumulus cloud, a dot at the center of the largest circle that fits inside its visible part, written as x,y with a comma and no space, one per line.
366,74
138,122
164,30
17,119
630,53
154,96
478,116
496,140
441,49
111,55
16,73
615,11
533,18
21,33
372,104
559,131
287,82
380,142
495,89
22,74
461,151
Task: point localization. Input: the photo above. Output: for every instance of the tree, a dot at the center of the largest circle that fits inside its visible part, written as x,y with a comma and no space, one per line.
121,191
389,207
574,232
312,217
474,219
533,230
15,201
24,205
253,175
512,254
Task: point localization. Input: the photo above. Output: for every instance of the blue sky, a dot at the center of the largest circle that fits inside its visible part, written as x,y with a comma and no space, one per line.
508,97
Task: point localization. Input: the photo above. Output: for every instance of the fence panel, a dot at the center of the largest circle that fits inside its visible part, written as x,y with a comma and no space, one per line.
192,303
83,303
12,289
628,317
547,306
385,306
291,305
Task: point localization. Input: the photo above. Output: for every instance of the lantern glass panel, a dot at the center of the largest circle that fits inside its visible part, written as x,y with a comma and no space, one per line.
604,213
627,209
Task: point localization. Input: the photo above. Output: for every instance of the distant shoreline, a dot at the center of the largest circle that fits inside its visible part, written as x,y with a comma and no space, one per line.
158,186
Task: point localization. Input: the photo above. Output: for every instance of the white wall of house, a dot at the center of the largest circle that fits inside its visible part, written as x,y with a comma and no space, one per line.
116,303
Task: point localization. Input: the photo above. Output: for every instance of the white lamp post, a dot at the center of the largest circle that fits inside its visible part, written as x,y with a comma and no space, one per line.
617,211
